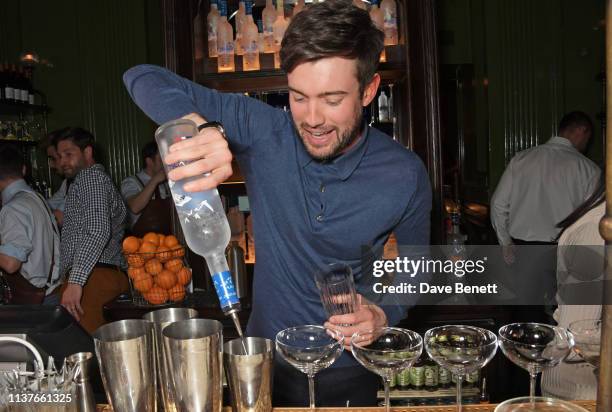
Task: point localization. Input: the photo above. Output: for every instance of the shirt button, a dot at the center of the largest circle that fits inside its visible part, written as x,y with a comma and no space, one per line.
319,217
322,188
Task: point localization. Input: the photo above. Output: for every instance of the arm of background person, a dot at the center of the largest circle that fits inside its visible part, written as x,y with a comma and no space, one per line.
500,207
138,198
15,231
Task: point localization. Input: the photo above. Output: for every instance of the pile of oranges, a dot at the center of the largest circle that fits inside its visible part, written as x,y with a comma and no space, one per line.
155,267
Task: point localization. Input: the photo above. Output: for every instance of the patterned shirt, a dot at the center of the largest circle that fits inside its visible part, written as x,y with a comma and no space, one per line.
94,223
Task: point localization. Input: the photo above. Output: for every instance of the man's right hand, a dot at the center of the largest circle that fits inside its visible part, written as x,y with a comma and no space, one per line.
509,254
207,152
159,177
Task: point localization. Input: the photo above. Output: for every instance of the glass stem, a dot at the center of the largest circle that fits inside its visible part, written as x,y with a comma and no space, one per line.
459,385
532,386
311,391
387,383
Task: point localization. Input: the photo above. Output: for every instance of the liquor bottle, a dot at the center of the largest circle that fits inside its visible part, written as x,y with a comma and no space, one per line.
383,107
378,19
225,41
240,19
211,23
202,219
417,374
431,375
268,16
455,239
250,39
278,31
389,9
299,6
444,378
403,379
472,379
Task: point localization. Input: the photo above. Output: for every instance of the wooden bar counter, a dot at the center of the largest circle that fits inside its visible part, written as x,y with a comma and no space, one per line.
588,405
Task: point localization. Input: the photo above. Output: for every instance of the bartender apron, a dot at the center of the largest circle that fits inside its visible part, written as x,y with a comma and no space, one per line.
155,217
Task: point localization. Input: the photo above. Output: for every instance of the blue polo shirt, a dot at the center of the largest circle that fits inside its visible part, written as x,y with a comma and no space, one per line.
306,214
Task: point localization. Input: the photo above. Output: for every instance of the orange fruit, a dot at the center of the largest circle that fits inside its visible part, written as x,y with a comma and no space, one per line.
143,283
134,272
147,247
174,265
161,237
183,276
151,237
165,279
135,261
163,253
131,244
153,266
171,241
176,293
156,295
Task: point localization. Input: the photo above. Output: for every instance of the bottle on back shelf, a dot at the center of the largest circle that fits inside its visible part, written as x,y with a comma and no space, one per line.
225,41
383,107
417,374
240,19
202,219
431,375
212,22
455,239
299,6
278,29
268,16
389,9
378,19
250,39
444,378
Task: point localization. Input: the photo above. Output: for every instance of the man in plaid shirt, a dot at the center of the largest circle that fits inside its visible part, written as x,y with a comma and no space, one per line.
94,223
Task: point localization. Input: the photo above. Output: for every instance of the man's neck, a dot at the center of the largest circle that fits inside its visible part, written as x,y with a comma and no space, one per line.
4,183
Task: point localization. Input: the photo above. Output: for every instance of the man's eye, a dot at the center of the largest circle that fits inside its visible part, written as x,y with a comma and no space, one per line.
298,99
334,102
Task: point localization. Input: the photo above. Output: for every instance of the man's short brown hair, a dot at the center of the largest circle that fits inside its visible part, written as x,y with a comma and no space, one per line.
334,28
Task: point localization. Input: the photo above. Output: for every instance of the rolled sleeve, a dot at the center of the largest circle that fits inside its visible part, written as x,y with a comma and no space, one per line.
15,233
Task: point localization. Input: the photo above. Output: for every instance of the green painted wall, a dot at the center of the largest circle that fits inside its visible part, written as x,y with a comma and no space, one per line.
533,61
90,44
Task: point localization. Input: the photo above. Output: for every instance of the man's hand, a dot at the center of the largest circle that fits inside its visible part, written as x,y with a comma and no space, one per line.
367,317
159,177
206,152
71,300
508,252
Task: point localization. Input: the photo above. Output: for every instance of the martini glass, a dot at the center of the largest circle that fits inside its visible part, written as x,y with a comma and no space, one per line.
460,349
309,349
535,347
587,340
385,351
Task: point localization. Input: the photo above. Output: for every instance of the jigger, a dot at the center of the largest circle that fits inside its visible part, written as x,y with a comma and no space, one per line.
160,319
85,400
193,350
127,364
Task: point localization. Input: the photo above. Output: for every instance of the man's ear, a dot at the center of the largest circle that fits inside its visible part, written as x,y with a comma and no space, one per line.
23,170
370,90
88,152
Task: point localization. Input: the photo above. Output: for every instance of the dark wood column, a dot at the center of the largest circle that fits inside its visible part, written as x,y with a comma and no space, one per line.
177,23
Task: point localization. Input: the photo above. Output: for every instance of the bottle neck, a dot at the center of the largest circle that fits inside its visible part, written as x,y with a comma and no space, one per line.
217,262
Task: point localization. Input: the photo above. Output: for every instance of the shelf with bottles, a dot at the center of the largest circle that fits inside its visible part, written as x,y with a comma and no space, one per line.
23,131
234,46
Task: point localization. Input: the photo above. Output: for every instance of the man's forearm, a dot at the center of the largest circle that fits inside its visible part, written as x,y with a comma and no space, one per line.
9,264
138,202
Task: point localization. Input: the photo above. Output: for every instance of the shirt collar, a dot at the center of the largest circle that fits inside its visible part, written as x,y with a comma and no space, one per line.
92,167
345,164
11,190
560,141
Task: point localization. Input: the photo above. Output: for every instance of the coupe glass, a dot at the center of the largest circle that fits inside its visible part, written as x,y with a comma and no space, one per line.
385,351
309,349
460,349
535,347
587,340
337,289
539,404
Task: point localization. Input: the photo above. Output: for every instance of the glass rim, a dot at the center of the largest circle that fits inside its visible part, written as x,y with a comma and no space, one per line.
540,399
555,328
594,320
385,351
490,333
339,340
175,122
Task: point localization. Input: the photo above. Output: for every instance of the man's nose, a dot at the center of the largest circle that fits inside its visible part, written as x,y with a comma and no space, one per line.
314,118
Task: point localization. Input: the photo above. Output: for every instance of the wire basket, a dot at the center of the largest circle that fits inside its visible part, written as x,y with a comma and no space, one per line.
158,278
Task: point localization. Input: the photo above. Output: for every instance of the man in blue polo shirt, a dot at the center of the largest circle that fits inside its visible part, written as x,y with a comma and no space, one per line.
321,183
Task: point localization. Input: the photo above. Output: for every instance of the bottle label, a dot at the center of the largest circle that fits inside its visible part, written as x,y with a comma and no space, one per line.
9,93
24,95
417,376
390,18
225,289
444,376
431,376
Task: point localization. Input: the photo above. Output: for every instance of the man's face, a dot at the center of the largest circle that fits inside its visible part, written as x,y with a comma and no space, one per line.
53,159
326,105
583,137
71,158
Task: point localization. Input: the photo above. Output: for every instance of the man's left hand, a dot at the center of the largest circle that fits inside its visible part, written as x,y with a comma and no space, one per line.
71,300
367,317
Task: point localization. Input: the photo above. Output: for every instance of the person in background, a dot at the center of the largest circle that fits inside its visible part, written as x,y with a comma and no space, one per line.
29,237
148,196
322,184
58,200
94,223
580,263
543,185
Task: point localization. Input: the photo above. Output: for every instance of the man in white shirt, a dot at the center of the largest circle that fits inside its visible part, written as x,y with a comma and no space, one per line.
148,196
542,185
